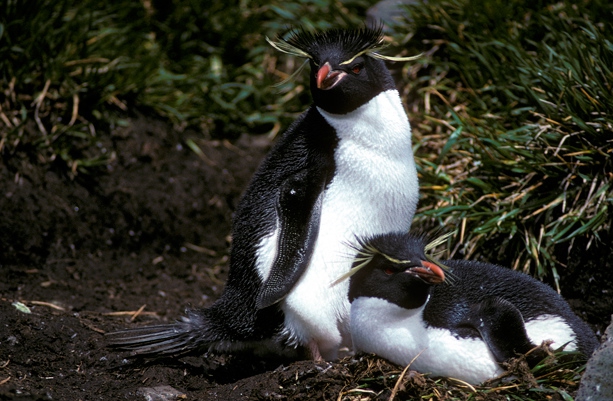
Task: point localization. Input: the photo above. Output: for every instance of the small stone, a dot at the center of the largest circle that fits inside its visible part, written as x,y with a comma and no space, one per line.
160,393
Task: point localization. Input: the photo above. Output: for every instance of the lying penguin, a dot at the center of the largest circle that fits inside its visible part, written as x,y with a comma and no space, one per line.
343,169
463,329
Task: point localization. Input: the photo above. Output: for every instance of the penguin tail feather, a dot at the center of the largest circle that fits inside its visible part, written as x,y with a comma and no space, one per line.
162,340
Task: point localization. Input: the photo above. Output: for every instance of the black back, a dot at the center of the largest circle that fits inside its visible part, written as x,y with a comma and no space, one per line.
477,283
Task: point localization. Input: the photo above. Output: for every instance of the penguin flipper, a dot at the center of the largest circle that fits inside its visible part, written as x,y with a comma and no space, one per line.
501,326
299,212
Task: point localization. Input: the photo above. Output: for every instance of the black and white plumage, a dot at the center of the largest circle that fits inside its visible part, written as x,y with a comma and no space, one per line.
343,169
463,330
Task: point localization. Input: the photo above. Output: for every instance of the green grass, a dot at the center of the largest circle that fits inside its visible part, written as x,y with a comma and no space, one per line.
72,70
516,134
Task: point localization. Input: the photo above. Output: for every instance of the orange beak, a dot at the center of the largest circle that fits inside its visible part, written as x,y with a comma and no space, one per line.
429,272
328,78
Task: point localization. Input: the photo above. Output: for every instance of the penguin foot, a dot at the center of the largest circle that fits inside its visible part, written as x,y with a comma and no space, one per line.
313,350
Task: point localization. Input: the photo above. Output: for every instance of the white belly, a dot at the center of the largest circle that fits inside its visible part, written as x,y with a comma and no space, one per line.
374,191
399,335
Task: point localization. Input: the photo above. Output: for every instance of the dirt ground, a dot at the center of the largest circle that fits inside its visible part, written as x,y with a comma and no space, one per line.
151,235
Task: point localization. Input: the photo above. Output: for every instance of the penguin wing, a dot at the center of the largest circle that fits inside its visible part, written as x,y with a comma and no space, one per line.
298,212
501,326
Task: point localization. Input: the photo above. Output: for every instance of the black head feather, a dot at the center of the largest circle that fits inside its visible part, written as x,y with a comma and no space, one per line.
355,72
353,42
397,248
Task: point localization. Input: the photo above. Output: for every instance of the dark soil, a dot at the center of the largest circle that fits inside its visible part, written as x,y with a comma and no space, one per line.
151,235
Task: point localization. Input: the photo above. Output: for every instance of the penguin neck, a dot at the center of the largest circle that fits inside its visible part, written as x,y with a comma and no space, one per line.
380,124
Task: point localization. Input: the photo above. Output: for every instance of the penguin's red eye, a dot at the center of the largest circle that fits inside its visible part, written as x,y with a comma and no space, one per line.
356,68
389,271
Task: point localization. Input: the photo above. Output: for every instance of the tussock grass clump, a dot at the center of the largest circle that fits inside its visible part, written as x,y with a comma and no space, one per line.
66,68
71,70
517,136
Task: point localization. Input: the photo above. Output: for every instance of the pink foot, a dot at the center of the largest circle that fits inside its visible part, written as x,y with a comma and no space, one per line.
314,351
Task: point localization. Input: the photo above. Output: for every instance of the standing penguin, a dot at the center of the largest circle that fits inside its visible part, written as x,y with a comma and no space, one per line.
486,315
343,169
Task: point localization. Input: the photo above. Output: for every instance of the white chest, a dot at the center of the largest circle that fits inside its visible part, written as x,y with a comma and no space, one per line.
400,336
375,187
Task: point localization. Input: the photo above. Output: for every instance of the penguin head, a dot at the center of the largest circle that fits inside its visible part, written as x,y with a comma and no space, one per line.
394,267
346,71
